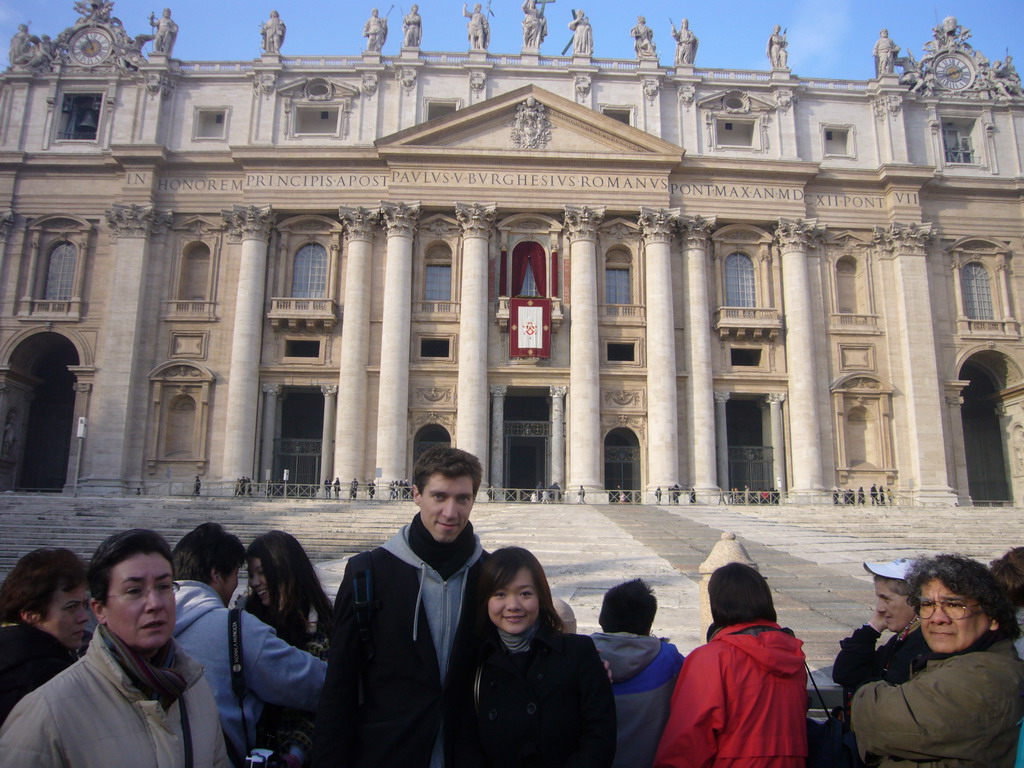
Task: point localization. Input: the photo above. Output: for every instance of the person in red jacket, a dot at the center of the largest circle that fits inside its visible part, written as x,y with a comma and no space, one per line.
741,699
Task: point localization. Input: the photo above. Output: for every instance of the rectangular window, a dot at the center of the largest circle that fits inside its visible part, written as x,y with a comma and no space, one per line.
735,133
956,141
837,141
622,114
301,348
316,121
616,286
621,353
435,348
80,116
745,357
438,283
210,124
441,108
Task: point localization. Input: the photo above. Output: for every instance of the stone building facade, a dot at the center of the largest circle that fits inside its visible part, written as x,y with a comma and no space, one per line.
591,272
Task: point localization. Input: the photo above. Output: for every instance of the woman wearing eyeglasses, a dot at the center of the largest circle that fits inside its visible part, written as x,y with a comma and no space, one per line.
135,699
962,704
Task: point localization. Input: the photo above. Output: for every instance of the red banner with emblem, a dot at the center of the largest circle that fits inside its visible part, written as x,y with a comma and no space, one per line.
529,327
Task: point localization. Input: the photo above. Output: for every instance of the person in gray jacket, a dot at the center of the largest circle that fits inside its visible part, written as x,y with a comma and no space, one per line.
643,670
206,562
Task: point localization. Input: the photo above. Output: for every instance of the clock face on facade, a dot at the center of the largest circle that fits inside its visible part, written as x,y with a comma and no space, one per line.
953,72
91,47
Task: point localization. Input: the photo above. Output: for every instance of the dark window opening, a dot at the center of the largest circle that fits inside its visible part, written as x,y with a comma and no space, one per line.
622,115
80,116
434,348
751,357
300,348
621,353
440,108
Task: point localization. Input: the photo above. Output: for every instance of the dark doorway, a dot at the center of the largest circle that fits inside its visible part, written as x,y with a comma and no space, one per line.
50,424
750,460
527,432
983,438
621,461
428,437
298,448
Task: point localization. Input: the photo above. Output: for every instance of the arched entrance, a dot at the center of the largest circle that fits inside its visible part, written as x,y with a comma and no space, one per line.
983,437
428,437
621,460
39,412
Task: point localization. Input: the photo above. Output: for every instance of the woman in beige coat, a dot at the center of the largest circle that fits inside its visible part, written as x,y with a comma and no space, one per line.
135,700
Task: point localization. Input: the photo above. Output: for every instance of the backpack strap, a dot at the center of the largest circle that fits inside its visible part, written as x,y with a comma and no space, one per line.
364,601
237,664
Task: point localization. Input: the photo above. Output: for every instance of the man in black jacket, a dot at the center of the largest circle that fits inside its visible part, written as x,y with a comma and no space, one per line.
401,660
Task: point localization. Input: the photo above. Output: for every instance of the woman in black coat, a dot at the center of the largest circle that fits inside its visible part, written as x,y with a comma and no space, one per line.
43,608
542,697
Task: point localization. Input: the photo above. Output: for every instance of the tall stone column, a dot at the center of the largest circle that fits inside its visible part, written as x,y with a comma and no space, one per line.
498,435
795,239
251,225
696,233
558,435
722,440
1003,276
330,393
658,227
393,399
775,402
471,426
918,373
270,394
581,224
114,434
350,428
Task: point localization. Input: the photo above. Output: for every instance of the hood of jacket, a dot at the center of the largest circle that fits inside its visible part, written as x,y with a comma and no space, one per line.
20,643
775,651
627,655
193,601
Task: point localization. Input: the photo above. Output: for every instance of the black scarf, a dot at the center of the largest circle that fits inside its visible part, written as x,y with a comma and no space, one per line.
446,559
983,643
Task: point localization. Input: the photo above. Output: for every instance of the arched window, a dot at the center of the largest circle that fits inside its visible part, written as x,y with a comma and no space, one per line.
60,273
528,276
739,281
846,286
181,424
309,275
977,294
195,273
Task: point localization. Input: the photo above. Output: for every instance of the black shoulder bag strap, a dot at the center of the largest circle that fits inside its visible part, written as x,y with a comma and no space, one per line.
364,603
186,732
237,679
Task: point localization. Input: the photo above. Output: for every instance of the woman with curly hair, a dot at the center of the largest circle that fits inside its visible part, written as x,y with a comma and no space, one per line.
285,593
962,704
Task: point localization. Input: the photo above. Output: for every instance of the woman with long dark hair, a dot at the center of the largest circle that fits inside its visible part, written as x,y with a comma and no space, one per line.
285,593
542,697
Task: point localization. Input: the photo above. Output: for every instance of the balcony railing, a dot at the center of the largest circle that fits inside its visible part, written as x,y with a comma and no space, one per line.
1006,327
300,314
437,310
200,311
53,309
636,312
847,321
748,323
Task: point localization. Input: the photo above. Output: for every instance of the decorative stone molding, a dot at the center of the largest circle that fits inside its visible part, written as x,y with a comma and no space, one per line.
359,222
658,224
776,397
435,395
558,391
80,386
264,83
905,238
687,93
652,87
886,105
6,224
531,128
273,389
476,219
441,227
157,83
369,83
399,218
582,86
636,423
248,222
624,397
784,99
498,390
329,390
581,221
422,419
137,220
721,397
798,234
477,81
696,230
406,77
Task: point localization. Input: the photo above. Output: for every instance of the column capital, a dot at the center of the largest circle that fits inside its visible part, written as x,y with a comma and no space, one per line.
658,224
399,218
6,223
248,222
581,221
696,230
912,239
721,397
476,219
329,390
798,234
776,398
80,386
359,222
558,392
137,220
274,390
498,390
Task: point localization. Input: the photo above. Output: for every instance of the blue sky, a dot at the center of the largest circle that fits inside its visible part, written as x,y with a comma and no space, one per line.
827,39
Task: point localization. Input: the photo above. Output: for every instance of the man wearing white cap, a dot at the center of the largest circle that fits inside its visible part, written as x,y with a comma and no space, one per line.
860,661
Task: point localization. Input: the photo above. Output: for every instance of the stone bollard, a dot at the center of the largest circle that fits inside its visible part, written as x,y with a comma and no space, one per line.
726,550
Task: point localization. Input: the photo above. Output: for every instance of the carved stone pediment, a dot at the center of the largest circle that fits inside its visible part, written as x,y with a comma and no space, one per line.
737,102
198,226
318,90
